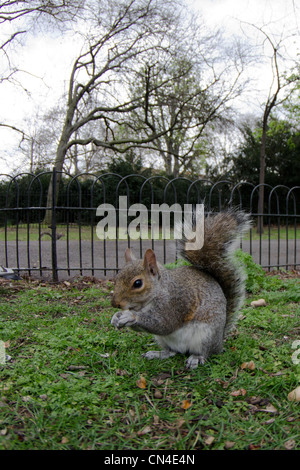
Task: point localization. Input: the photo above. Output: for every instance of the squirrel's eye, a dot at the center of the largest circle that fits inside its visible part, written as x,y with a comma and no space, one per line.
137,284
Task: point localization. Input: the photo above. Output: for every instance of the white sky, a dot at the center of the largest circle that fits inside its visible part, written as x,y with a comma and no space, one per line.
50,58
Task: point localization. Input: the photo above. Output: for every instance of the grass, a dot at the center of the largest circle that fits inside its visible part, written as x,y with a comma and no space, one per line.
85,233
73,382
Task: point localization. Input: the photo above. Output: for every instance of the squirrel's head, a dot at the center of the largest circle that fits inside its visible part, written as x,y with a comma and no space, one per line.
134,283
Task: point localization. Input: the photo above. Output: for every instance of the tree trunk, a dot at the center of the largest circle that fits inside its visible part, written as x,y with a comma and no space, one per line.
176,167
261,196
59,163
168,163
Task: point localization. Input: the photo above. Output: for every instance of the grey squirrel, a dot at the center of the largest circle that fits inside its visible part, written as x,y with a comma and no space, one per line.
189,309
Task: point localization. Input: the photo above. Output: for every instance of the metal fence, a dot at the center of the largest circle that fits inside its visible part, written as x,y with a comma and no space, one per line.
67,245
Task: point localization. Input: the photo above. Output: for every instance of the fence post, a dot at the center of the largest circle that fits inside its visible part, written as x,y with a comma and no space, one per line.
53,227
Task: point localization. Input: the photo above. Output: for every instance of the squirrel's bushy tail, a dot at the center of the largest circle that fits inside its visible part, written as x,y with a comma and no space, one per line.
222,233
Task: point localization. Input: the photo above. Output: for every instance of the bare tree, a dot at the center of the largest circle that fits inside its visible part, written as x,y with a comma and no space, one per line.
279,82
16,19
186,94
122,34
40,143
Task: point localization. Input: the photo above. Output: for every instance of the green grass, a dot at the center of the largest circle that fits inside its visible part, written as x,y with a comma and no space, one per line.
21,233
72,382
85,233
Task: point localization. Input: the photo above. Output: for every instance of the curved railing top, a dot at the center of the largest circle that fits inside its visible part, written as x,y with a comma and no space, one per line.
278,199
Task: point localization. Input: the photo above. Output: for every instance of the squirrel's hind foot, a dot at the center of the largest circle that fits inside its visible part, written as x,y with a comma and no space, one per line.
159,354
194,361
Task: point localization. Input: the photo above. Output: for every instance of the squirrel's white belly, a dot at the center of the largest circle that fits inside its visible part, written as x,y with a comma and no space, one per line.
187,339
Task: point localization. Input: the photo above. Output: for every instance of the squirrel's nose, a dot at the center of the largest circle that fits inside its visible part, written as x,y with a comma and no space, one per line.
117,303
114,303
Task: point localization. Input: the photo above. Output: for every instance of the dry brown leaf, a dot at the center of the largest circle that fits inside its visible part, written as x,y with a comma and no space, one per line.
290,444
73,367
144,431
254,446
269,409
229,444
180,422
248,365
121,372
157,394
294,395
27,398
141,382
239,392
155,419
185,404
270,421
209,440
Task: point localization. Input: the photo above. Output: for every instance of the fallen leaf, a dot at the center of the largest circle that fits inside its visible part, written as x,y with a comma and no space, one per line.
254,447
239,392
224,383
144,431
164,376
269,409
294,395
258,303
76,367
180,423
290,419
141,382
158,394
248,365
209,440
121,372
26,398
229,444
64,440
185,404
290,444
270,421
155,419
160,379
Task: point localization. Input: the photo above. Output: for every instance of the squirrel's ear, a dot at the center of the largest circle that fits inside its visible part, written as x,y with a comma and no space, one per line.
150,262
129,256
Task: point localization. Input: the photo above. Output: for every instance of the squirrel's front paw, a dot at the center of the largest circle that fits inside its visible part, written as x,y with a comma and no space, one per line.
123,318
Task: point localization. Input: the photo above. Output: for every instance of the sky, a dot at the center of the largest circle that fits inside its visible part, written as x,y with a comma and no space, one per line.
48,59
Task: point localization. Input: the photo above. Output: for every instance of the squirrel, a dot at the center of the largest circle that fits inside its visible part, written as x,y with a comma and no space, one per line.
189,309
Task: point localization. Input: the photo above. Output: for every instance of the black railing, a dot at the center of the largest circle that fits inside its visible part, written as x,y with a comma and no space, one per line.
59,240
